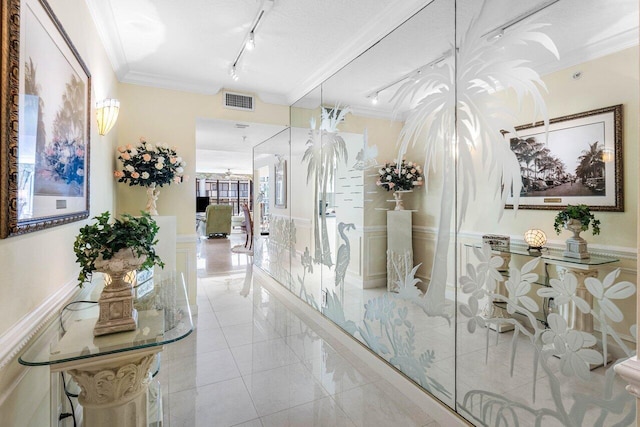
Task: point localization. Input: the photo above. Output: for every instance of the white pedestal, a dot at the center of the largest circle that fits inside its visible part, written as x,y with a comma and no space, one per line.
113,387
166,246
399,247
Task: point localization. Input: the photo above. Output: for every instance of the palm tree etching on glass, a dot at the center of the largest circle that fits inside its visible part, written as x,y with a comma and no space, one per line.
456,115
325,148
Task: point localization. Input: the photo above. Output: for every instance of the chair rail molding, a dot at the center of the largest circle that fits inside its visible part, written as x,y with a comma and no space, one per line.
14,339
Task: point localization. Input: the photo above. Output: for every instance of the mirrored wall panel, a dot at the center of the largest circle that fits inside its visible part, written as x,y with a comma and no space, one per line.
310,186
272,226
545,313
393,295
463,202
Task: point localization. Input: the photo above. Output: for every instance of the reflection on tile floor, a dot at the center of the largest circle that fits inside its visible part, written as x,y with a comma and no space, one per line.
252,362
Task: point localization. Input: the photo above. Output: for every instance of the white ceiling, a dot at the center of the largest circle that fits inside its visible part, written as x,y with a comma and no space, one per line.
227,144
191,45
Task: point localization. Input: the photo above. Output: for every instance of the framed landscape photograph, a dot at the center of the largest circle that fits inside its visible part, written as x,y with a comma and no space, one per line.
578,161
46,122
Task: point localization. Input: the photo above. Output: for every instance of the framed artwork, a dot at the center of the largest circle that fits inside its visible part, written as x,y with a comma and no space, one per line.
578,161
280,182
46,89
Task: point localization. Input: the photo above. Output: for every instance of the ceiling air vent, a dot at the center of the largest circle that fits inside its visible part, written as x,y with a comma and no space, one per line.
237,101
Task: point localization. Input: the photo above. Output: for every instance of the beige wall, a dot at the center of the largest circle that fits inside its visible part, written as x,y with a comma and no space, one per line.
605,82
168,116
38,265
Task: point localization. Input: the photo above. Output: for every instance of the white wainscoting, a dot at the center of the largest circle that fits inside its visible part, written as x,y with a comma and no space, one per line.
187,263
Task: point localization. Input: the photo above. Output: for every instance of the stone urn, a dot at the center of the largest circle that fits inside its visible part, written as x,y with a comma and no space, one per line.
576,245
116,300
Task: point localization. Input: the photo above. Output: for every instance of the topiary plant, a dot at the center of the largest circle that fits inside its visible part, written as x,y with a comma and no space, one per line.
105,239
580,212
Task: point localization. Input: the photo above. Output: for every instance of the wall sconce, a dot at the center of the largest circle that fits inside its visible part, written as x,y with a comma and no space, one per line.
536,239
107,114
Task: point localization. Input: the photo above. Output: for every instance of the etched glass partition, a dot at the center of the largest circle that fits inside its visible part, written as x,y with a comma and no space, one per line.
541,90
307,186
419,167
271,170
393,297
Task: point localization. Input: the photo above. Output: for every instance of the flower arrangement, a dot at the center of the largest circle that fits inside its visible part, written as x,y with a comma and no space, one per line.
64,161
580,213
104,239
394,177
150,165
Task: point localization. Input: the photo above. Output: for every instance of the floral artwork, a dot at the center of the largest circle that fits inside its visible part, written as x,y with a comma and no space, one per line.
64,161
60,161
150,165
47,144
402,177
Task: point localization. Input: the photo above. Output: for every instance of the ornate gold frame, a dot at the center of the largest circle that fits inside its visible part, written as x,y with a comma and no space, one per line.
618,184
10,225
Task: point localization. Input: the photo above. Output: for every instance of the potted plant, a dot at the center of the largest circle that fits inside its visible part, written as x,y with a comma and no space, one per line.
576,218
116,248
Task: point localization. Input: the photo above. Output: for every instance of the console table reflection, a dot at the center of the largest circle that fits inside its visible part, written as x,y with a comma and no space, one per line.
580,268
113,371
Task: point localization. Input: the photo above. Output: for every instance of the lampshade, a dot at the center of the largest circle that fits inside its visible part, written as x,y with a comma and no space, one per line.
536,239
608,155
107,114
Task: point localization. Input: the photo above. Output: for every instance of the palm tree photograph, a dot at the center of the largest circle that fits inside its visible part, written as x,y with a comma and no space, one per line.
574,159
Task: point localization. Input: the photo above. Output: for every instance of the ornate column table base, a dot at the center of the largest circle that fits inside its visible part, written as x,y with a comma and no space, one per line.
113,387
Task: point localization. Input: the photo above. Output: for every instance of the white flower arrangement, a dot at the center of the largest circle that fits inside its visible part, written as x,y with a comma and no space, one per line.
150,165
403,177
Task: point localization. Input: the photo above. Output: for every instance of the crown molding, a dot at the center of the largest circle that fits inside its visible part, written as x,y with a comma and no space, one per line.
105,23
156,80
598,49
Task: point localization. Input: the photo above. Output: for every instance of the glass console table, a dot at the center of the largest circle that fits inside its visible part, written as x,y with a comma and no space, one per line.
113,371
580,268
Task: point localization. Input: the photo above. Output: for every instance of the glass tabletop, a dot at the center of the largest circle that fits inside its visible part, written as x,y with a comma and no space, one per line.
550,254
163,317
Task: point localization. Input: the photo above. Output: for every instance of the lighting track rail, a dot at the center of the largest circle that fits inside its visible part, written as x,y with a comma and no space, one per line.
249,42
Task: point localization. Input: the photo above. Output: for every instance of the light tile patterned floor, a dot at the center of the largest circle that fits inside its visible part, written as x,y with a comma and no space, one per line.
251,362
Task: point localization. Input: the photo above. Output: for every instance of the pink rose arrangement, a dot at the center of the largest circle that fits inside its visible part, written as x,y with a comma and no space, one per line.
402,177
150,165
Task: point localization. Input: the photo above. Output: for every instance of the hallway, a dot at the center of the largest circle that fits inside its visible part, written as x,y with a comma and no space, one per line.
252,362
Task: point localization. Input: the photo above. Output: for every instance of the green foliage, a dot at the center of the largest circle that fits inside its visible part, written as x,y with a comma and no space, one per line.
104,238
579,212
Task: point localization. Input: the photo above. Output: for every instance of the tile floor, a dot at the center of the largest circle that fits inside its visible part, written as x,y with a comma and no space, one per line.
253,362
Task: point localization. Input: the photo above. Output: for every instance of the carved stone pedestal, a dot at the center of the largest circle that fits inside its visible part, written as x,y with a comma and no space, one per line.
113,387
399,247
116,311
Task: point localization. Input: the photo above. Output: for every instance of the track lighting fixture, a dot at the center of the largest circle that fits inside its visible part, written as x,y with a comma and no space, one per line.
250,38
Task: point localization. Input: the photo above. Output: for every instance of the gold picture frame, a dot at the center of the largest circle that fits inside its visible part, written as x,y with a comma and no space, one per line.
45,115
578,161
